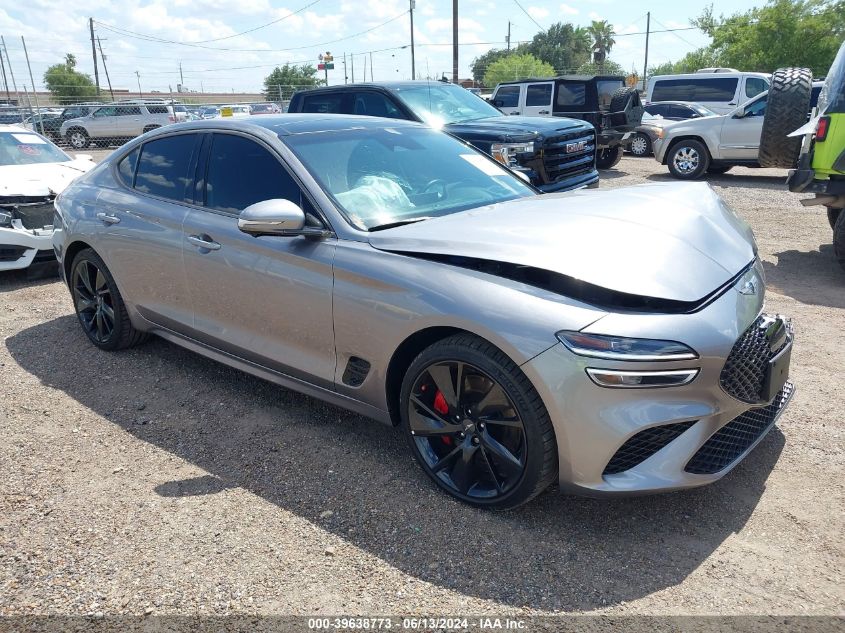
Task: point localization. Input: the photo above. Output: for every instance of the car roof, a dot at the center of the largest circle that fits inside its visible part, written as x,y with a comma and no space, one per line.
297,123
564,77
388,85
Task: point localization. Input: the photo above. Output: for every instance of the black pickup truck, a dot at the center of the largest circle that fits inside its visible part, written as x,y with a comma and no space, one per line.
555,154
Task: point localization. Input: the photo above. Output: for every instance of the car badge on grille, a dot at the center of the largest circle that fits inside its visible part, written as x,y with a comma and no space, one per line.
575,147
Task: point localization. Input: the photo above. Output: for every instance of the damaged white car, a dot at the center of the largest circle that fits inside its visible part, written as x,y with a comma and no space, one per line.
32,172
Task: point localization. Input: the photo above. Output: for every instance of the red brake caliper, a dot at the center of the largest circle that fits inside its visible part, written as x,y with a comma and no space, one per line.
442,407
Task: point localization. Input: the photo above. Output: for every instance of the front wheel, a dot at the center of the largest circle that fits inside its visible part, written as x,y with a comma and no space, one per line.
476,425
640,145
688,159
608,157
78,139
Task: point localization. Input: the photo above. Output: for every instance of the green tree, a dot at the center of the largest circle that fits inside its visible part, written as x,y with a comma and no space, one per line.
481,63
288,79
66,84
694,60
602,33
608,67
562,45
782,33
515,67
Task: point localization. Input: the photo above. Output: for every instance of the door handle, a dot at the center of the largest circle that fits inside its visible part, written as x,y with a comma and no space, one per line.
203,241
107,218
514,113
543,112
731,102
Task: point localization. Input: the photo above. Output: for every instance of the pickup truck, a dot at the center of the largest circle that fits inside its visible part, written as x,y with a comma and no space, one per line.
555,154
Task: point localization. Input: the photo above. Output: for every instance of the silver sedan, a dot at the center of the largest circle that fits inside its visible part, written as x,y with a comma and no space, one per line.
612,341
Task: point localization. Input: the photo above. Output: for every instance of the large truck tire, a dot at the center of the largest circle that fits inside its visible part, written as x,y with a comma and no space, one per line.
786,111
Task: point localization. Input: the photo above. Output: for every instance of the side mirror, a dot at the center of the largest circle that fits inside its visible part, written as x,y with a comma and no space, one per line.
276,217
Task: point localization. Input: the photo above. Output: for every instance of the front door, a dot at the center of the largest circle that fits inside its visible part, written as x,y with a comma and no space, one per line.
102,123
538,99
507,98
267,299
740,139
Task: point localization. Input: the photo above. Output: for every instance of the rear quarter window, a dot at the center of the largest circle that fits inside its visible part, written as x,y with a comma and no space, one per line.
126,167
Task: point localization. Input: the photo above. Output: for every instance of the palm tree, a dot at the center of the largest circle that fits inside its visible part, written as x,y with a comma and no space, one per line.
602,33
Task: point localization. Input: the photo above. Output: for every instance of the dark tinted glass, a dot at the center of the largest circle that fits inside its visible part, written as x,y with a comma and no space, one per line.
507,97
128,110
758,108
657,110
709,89
157,109
606,88
571,94
322,103
241,172
126,167
163,167
680,112
375,104
754,86
538,95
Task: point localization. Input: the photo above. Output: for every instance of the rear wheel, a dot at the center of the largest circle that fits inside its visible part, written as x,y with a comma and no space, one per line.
476,425
98,304
787,107
688,159
640,145
839,240
832,215
608,157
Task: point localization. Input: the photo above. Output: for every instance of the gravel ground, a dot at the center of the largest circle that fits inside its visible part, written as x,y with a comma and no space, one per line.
155,481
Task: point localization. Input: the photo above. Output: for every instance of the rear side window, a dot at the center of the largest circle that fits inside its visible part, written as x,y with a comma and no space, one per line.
375,104
323,104
754,86
538,95
571,95
126,167
163,167
507,97
709,89
157,109
241,172
128,111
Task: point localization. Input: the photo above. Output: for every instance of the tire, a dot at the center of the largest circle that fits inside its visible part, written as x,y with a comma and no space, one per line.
688,159
719,169
99,302
640,145
608,157
78,138
464,455
626,110
839,240
832,215
786,111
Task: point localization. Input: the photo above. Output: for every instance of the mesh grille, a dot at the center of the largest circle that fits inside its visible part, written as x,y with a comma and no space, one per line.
744,373
733,439
560,163
643,445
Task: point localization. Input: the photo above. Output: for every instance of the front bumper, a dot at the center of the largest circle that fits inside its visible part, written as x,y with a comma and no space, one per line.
593,424
589,179
20,247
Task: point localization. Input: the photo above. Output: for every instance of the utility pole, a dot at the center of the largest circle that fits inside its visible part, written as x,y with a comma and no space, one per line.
35,94
94,55
345,74
181,78
454,41
105,68
365,68
138,75
508,38
413,61
352,60
5,83
645,63
371,67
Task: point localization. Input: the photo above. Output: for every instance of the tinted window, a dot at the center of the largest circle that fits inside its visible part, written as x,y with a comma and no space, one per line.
107,111
375,104
657,110
163,167
128,110
538,95
507,97
126,167
709,89
74,113
241,172
606,88
680,112
754,86
157,109
322,103
758,108
571,95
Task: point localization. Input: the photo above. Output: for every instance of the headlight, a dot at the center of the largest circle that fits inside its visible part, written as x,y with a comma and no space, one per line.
506,153
660,133
5,219
624,348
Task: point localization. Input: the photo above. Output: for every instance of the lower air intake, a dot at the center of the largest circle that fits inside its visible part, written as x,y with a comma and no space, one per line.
643,445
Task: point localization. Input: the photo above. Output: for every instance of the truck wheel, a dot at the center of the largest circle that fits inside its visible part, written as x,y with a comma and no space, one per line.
77,138
688,159
786,111
608,157
832,215
839,240
626,110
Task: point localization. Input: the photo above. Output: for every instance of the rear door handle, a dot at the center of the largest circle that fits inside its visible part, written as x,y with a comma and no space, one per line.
203,241
107,218
514,113
543,112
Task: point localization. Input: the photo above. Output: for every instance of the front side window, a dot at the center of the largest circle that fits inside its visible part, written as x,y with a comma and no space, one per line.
754,86
107,111
571,94
507,97
163,167
323,104
756,109
241,172
538,95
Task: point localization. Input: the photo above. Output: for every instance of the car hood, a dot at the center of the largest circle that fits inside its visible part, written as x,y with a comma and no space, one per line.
545,126
42,179
672,241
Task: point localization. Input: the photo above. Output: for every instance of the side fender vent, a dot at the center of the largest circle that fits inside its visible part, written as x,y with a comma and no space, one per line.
356,371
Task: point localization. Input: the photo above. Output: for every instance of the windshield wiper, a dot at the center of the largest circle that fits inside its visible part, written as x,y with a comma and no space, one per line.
393,225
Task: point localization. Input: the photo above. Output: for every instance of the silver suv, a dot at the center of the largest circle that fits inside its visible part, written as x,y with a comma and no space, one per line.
117,122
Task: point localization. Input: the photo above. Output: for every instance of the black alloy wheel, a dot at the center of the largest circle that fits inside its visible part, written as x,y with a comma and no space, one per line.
94,301
476,424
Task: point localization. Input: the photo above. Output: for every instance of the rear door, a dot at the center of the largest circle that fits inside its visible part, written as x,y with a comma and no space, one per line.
508,98
267,299
538,99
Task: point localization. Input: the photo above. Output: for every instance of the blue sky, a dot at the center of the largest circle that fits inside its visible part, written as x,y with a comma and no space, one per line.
307,27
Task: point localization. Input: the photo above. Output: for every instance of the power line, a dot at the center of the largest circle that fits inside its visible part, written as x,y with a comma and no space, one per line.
258,28
530,17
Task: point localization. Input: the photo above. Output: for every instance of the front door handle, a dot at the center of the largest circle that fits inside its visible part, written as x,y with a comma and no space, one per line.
203,241
543,112
107,218
514,113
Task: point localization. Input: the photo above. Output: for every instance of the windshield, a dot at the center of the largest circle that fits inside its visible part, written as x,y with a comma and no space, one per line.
438,104
26,148
700,109
379,177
